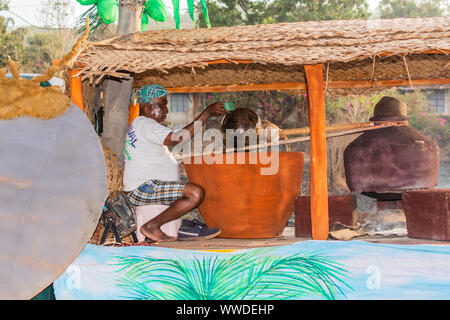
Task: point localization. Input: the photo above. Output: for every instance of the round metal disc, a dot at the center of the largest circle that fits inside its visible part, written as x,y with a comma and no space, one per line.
52,192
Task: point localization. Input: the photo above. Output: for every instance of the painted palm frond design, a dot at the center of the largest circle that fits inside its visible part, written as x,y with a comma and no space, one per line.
252,275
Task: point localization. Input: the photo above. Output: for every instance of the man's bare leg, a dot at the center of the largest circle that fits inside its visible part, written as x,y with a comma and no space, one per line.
192,196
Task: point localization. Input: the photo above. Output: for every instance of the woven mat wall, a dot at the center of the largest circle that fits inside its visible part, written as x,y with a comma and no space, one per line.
114,174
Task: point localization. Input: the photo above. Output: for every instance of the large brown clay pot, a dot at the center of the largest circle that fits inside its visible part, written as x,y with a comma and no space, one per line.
391,159
243,202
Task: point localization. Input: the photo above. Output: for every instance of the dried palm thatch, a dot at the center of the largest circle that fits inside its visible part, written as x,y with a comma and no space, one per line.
276,52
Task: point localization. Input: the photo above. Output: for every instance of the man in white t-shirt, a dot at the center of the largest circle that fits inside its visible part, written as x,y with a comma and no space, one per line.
151,174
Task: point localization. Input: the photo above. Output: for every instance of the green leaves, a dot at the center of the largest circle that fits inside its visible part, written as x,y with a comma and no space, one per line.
190,4
144,21
95,21
258,274
205,13
176,12
157,10
108,10
412,8
87,2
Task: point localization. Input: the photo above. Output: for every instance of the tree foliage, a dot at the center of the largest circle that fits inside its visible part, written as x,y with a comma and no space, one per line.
4,5
36,50
11,43
251,12
413,8
307,10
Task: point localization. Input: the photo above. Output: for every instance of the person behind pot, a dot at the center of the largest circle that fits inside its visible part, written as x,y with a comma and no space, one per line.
151,175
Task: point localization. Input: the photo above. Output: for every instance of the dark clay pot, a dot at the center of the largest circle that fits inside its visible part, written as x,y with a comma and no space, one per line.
392,159
240,120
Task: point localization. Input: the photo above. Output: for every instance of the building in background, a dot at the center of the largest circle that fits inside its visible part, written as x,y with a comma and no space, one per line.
438,97
184,108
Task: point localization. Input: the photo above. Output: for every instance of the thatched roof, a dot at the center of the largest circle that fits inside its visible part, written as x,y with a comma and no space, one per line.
352,50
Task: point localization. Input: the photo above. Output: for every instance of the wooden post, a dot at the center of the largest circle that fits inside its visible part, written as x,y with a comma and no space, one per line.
76,89
318,152
195,104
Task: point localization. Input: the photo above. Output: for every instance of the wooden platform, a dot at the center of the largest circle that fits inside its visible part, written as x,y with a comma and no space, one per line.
287,238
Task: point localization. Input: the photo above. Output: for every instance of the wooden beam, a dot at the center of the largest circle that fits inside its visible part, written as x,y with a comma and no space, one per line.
443,51
302,85
243,87
224,61
195,105
318,152
385,83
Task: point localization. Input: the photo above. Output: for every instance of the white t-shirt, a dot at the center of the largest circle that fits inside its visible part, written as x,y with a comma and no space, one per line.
146,156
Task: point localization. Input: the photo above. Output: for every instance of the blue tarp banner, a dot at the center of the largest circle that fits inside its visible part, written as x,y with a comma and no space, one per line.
305,270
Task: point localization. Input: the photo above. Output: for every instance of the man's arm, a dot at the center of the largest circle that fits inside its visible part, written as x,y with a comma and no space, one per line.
214,109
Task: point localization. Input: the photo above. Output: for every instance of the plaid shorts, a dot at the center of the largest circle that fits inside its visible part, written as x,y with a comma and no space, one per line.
157,192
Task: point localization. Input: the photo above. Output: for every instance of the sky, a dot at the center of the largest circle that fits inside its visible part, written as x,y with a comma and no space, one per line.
27,11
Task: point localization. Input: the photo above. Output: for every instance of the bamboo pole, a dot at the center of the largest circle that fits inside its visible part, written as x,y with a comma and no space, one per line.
287,141
336,127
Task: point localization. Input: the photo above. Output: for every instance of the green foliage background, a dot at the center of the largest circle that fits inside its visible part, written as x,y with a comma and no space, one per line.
413,8
250,12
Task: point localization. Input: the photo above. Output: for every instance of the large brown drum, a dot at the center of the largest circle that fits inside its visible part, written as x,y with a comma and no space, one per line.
243,202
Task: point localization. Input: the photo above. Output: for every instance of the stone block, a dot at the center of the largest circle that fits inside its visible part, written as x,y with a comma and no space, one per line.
427,213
